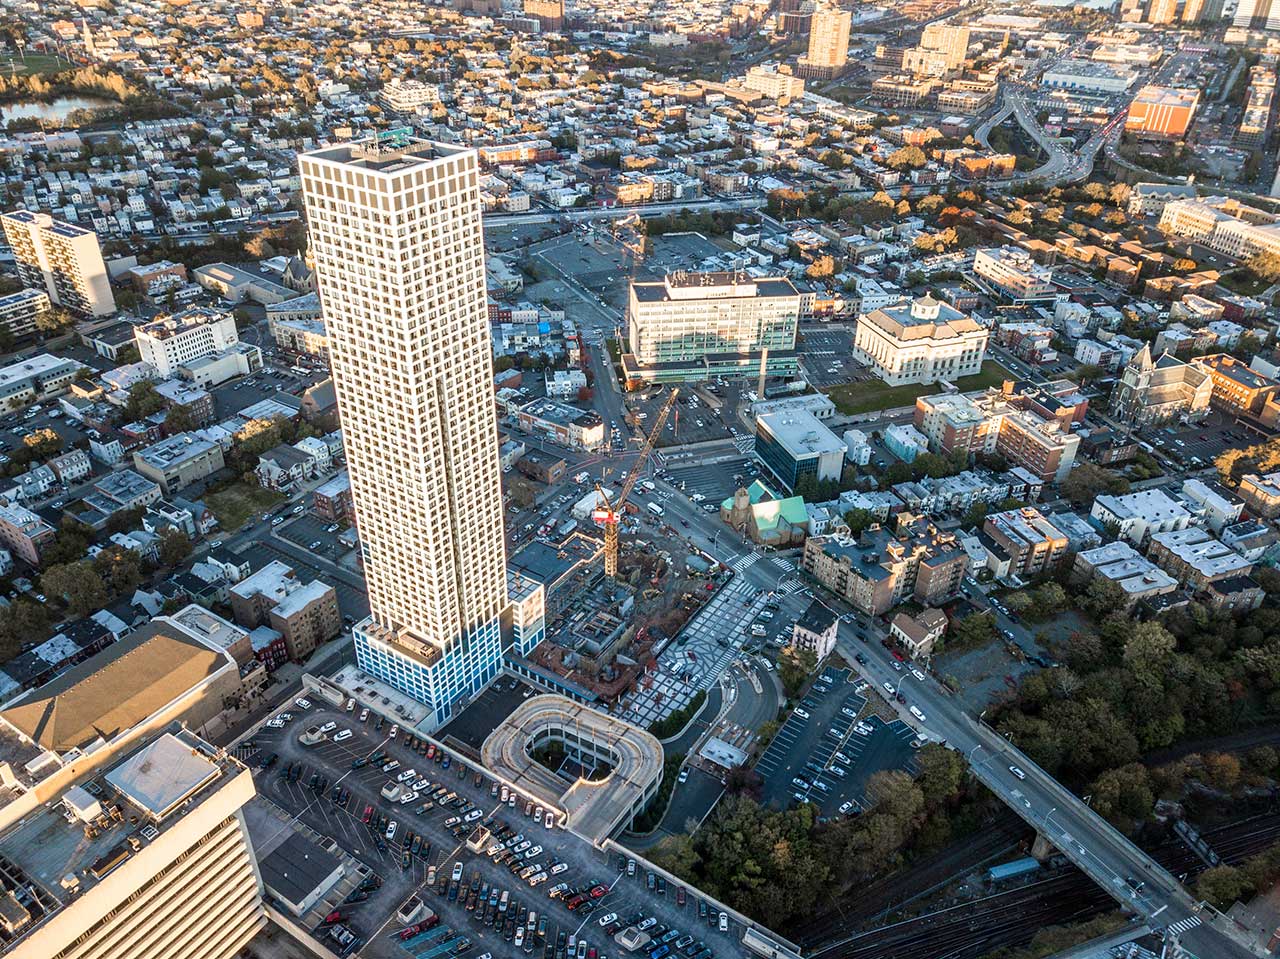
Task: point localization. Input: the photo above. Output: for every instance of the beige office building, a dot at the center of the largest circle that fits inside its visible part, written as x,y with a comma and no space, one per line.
121,833
397,239
62,259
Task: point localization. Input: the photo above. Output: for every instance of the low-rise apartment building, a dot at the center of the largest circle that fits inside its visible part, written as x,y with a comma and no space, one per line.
1136,517
305,614
815,631
1262,493
1033,543
178,461
1138,578
879,570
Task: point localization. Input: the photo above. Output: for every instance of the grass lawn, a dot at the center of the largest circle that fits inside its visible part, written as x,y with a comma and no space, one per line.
869,395
234,505
1243,282
34,63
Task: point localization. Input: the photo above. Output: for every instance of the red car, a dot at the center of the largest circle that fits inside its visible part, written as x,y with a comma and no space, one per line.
575,902
368,814
431,750
598,891
898,656
333,917
679,895
410,932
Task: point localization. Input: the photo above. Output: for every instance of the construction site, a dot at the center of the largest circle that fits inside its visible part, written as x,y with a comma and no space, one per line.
610,611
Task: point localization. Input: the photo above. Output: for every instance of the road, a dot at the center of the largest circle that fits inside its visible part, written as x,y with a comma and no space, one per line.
708,205
1085,838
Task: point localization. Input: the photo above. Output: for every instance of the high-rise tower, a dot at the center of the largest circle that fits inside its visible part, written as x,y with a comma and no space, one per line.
828,43
399,258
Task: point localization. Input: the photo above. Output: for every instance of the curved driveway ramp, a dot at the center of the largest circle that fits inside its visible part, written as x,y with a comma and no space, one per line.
594,809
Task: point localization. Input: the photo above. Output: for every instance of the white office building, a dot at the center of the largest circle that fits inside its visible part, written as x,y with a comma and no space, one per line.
920,341
180,338
399,257
1013,274
701,325
62,259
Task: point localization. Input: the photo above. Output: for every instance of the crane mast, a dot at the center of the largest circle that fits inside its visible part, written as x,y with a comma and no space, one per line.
608,513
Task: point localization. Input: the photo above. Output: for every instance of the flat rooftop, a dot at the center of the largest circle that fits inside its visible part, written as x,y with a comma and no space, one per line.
54,855
385,154
594,809
801,433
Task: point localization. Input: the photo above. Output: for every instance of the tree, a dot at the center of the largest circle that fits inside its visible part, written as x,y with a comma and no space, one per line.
178,420
795,666
909,157
1086,481
77,584
1222,885
858,520
1124,795
942,773
54,321
1087,373
1265,266
143,401
175,547
119,568
972,631
124,520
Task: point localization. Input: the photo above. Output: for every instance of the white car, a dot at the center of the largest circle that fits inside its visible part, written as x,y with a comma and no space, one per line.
608,918
538,878
408,797
275,724
888,688
559,868
328,727
917,674
473,815
391,830
285,717
422,784
364,715
534,852
915,711
342,736
303,703
845,807
395,731
803,714
457,871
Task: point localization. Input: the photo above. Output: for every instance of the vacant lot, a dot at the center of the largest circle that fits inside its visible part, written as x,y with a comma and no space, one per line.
234,505
868,395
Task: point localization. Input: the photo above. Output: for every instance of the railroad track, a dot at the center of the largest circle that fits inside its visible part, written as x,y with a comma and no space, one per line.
876,900
1011,918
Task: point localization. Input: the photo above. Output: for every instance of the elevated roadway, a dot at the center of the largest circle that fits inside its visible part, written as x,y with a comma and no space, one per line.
1126,873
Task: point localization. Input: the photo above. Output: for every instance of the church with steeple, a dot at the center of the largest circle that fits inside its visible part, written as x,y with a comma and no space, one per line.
1152,392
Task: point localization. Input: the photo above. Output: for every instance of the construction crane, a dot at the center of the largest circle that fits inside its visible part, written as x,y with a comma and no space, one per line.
609,512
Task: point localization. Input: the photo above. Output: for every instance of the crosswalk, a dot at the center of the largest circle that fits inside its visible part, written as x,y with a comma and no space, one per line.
784,564
1182,925
744,444
744,562
790,586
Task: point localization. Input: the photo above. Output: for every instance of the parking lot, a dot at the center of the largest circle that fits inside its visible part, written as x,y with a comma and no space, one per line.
1203,441
714,481
828,358
315,534
692,420
829,750
332,788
